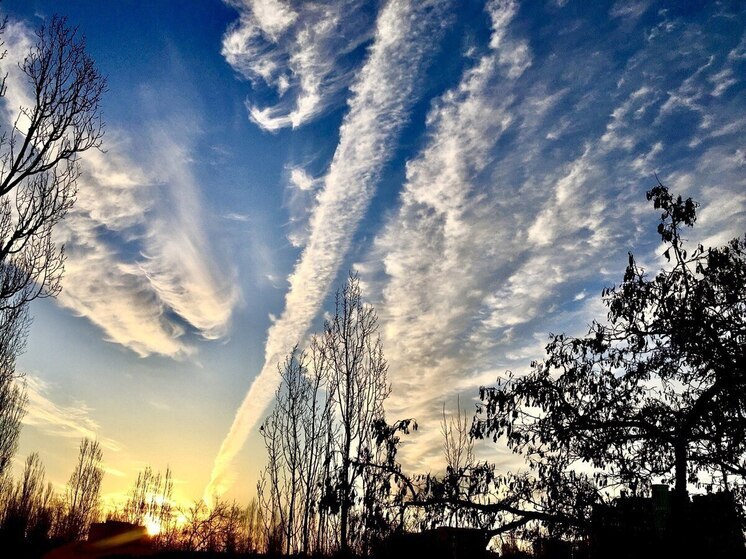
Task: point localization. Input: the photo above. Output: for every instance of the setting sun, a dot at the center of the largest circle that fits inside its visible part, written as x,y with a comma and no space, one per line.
153,526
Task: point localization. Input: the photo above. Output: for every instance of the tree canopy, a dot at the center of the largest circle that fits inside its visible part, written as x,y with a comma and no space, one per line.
658,390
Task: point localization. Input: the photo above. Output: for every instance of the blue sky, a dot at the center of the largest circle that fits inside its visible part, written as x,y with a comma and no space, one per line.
482,165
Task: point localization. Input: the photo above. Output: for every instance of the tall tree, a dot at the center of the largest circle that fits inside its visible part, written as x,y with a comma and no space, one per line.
658,389
38,175
353,354
26,513
323,438
83,488
295,436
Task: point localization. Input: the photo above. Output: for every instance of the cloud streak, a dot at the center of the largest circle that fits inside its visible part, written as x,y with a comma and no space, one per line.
382,96
72,421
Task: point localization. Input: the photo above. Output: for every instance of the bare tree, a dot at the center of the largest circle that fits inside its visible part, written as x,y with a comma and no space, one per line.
352,353
26,514
83,488
12,409
458,444
294,435
38,176
39,160
458,451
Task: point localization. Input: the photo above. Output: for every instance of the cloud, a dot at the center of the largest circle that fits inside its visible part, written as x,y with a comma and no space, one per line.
529,190
442,242
300,200
139,263
382,95
629,9
301,50
73,421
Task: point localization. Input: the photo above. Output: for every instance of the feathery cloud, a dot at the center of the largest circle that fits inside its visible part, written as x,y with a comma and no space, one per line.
301,50
138,265
73,421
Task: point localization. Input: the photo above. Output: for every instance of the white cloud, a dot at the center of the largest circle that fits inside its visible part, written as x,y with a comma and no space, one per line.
299,50
441,244
157,277
382,95
73,421
139,264
499,229
629,9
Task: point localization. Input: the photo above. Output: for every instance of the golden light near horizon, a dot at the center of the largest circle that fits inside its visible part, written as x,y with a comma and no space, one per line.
152,526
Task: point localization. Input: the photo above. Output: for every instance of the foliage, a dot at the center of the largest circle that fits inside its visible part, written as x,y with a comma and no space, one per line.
657,390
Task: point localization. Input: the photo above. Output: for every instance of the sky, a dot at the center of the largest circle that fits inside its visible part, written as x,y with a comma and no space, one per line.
482,165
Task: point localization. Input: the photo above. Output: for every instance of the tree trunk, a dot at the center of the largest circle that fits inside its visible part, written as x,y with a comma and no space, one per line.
680,505
345,505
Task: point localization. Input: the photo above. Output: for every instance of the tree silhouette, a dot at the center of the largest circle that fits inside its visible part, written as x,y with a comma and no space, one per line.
82,496
659,389
38,177
327,457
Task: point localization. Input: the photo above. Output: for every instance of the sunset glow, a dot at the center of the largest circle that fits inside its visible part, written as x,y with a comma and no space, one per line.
480,167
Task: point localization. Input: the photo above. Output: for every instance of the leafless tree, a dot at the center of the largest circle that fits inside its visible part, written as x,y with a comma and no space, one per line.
83,488
39,159
12,409
39,170
352,352
294,435
458,444
150,501
458,452
329,453
26,512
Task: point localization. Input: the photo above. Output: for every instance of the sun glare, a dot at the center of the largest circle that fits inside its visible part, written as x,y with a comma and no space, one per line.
152,526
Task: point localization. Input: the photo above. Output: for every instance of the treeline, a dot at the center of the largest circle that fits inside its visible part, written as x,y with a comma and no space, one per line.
221,527
654,393
34,517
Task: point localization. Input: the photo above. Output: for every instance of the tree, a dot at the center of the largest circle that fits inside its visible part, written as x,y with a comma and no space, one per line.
352,352
83,488
325,441
296,437
39,160
38,176
658,389
150,504
27,508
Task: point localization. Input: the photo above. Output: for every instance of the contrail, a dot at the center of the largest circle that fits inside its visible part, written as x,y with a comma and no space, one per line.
382,96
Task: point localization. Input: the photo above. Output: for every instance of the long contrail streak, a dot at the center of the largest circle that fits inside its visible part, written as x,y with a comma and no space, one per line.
382,97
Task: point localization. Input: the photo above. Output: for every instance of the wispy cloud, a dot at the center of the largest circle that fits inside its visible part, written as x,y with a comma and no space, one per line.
299,49
138,264
73,421
512,208
441,245
382,95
